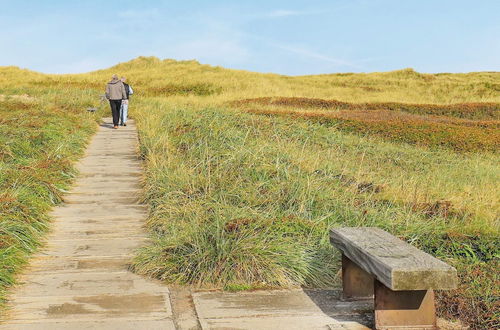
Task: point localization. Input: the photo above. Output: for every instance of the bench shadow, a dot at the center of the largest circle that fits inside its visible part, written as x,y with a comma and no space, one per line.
355,313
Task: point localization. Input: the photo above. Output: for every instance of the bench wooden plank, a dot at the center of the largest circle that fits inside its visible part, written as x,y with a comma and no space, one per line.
395,263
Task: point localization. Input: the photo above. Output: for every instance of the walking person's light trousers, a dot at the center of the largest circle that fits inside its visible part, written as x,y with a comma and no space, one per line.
124,113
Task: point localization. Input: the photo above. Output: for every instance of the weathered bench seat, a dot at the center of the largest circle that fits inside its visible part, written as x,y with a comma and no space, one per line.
400,277
395,263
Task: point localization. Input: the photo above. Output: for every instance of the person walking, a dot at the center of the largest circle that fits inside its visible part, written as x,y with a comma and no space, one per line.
124,108
115,93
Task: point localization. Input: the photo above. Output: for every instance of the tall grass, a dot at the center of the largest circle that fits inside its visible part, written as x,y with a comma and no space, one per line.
246,201
40,137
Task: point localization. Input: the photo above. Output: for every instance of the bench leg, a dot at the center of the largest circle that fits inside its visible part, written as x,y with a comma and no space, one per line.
356,283
404,309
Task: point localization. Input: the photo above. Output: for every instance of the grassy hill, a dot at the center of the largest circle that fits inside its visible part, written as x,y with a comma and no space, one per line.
246,172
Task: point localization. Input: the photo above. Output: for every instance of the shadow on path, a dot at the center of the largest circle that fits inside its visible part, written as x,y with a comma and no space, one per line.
331,303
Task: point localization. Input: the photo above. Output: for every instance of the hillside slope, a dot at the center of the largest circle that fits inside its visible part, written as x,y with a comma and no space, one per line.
247,172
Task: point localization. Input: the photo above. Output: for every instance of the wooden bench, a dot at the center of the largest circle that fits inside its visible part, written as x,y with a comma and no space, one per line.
400,277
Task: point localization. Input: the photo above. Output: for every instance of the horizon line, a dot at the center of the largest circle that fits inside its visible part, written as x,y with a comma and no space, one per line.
142,57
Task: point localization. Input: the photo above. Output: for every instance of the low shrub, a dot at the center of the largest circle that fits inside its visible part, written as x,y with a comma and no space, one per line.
488,111
461,138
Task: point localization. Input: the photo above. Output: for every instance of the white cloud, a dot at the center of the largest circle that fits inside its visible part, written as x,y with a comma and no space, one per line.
308,53
300,50
284,13
278,13
139,14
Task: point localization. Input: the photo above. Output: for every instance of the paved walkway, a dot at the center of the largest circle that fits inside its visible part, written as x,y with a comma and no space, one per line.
81,279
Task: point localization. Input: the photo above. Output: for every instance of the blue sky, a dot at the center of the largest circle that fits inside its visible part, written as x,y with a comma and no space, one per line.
287,37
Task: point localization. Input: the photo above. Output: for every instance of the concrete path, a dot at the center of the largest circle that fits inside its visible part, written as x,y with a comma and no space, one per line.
81,279
282,309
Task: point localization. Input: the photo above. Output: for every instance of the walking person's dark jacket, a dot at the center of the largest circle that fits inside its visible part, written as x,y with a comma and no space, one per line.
115,90
127,90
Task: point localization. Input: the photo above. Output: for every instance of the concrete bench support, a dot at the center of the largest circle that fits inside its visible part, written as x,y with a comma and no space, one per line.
401,277
414,309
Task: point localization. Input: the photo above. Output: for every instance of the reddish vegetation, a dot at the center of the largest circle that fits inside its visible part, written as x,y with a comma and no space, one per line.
15,105
469,308
460,134
5,241
460,110
237,224
440,208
